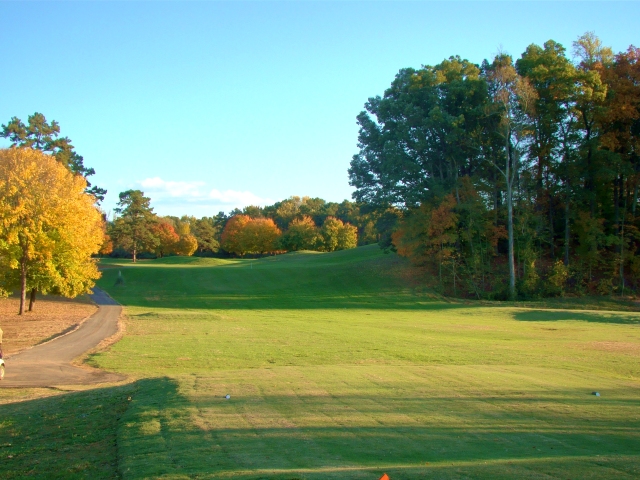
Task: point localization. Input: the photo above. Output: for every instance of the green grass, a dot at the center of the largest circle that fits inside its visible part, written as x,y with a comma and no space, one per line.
338,366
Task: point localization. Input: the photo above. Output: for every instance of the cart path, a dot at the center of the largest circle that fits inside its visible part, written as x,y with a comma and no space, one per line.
49,364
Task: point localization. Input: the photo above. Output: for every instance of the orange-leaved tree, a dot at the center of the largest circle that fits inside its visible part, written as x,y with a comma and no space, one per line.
49,227
260,235
167,237
427,235
232,240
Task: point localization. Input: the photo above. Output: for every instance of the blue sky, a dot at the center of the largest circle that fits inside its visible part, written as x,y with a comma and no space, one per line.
207,106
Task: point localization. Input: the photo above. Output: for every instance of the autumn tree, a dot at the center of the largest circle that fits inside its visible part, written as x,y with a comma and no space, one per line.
302,234
133,229
187,243
260,235
232,240
166,235
49,227
337,235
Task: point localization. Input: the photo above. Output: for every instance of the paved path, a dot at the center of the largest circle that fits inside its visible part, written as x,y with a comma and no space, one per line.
49,364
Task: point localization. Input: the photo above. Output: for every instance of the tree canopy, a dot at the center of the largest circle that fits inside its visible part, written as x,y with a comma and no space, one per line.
499,170
49,226
41,135
133,229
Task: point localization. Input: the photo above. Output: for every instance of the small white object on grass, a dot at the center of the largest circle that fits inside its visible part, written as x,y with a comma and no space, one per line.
597,394
228,396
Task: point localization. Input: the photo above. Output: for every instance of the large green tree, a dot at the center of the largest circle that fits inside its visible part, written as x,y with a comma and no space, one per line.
41,135
133,228
544,149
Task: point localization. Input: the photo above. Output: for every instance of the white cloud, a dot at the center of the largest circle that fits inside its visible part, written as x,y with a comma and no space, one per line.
194,198
173,189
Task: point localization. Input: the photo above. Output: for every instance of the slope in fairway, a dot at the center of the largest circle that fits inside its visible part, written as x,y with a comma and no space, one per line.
337,369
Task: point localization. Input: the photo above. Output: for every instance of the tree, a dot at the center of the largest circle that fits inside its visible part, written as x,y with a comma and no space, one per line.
514,96
49,227
41,135
167,237
232,240
302,234
554,137
206,232
260,235
422,136
186,246
132,230
337,235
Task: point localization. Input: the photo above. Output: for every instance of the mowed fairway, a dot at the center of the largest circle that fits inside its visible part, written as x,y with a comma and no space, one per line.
337,368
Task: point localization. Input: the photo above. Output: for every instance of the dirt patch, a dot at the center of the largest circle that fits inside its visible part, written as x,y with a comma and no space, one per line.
619,347
51,317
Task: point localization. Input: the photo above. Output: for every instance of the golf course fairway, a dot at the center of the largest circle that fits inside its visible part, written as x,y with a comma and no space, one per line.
337,366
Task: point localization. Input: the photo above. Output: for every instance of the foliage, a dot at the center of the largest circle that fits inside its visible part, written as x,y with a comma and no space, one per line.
260,235
302,234
206,232
133,229
165,233
186,245
41,135
232,239
337,235
49,226
550,149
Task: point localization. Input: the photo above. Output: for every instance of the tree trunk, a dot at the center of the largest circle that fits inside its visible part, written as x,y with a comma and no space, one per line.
134,255
551,229
624,212
32,299
509,179
567,232
23,284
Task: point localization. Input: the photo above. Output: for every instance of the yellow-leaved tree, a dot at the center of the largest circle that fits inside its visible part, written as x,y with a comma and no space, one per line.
49,227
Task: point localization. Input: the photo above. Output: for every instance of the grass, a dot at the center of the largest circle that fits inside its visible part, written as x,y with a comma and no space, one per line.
337,366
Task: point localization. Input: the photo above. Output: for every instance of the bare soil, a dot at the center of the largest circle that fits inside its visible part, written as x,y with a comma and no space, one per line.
52,316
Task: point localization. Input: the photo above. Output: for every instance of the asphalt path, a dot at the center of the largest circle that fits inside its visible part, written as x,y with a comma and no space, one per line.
49,364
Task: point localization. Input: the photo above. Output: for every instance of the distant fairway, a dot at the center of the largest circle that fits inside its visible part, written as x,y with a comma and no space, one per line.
337,368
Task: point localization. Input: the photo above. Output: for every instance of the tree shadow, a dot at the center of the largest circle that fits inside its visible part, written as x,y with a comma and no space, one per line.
623,318
153,429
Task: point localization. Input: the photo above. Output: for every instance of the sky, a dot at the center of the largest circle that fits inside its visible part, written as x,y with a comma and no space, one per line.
208,106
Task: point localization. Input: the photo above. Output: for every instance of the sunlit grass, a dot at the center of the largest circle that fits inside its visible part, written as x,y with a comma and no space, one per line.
337,366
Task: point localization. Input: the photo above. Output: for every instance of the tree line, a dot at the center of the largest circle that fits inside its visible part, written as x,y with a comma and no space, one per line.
296,223
510,179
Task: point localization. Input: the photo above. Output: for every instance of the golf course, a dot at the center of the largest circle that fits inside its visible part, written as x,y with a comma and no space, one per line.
337,365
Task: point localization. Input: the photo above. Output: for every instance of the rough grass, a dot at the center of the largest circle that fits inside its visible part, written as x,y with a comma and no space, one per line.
337,368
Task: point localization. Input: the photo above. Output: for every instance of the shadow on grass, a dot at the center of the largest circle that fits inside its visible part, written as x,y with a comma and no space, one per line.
70,435
165,434
557,316
148,429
